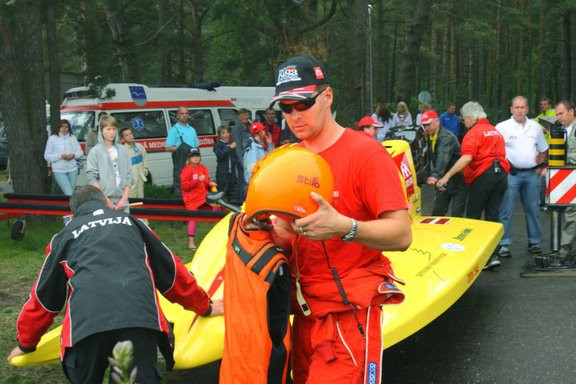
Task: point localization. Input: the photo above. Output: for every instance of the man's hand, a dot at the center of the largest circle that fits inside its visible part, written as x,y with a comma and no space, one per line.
15,352
323,224
121,204
442,182
282,234
217,307
431,180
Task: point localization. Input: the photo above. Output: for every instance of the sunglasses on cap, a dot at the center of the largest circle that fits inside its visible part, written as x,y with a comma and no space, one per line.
300,106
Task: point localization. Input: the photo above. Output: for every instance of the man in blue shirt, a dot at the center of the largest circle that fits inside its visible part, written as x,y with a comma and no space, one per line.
450,120
180,138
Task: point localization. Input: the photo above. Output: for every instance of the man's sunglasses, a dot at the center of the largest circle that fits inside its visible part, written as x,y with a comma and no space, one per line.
300,106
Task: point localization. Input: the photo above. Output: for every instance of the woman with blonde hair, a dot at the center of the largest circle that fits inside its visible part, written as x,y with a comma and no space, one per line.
402,116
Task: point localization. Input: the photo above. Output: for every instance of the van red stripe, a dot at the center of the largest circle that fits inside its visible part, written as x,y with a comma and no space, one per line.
149,104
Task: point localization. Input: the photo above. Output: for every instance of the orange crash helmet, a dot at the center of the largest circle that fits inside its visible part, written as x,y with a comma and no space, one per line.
282,181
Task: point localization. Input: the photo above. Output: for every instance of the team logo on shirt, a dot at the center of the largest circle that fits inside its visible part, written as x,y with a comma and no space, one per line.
311,181
101,223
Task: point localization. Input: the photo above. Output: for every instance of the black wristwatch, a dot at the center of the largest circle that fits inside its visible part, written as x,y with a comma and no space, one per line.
352,234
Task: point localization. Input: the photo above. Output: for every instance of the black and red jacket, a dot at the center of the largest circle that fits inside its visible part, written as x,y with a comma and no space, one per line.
107,267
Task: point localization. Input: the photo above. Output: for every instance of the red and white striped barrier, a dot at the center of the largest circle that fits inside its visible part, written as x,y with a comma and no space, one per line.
561,186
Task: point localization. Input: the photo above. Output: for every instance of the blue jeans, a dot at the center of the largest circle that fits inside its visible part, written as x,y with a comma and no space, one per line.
66,181
527,185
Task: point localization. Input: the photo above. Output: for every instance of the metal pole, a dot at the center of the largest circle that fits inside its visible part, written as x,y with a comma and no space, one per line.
555,225
370,74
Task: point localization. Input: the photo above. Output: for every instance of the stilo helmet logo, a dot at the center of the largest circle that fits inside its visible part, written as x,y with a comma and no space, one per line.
311,181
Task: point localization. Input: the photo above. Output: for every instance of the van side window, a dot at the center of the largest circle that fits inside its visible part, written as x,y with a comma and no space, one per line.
200,119
80,123
227,115
144,124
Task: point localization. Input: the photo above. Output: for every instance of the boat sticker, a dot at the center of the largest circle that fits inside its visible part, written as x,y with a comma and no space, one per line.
453,247
435,220
462,235
431,264
474,272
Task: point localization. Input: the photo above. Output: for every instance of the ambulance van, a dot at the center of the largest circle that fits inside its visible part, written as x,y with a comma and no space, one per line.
255,99
150,112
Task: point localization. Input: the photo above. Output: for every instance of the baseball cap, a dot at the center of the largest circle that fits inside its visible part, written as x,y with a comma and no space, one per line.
194,151
257,127
367,121
427,116
297,78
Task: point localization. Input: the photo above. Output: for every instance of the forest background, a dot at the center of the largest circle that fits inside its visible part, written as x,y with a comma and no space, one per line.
375,51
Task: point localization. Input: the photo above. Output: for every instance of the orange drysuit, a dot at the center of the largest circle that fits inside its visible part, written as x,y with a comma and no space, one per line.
257,301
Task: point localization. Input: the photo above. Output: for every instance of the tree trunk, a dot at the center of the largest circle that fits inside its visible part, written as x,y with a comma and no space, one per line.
197,52
542,78
355,67
180,58
22,96
416,31
572,16
161,46
87,44
566,55
393,66
127,60
54,95
481,80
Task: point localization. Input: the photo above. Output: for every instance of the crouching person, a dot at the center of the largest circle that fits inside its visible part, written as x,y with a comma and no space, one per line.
107,267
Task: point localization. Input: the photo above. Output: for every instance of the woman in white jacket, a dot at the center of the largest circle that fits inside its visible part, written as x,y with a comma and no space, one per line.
62,151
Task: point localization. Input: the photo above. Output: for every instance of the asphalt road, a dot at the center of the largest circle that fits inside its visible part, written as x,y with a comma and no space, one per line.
505,329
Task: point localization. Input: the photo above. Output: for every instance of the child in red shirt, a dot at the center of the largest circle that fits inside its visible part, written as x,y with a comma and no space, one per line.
195,183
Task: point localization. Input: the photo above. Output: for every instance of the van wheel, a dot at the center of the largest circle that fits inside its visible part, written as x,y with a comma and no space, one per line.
17,230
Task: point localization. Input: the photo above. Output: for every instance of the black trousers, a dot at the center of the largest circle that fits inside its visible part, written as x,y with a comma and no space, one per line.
86,362
486,194
455,192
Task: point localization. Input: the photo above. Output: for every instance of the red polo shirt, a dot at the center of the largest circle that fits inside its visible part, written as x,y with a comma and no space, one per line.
484,143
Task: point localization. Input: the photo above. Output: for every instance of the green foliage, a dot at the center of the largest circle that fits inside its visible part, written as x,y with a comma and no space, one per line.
152,191
121,363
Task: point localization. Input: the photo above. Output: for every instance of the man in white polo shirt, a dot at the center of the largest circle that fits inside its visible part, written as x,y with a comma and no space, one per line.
526,147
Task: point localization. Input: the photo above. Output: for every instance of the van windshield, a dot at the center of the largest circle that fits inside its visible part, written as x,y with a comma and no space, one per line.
80,122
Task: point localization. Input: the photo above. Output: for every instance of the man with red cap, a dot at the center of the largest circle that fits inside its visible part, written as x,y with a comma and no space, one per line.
368,125
341,279
444,151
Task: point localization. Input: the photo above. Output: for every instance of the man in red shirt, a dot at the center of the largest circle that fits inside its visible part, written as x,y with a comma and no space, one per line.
273,128
485,168
341,276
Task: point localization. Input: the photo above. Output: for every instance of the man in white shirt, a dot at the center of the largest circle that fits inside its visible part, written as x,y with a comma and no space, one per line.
566,117
526,148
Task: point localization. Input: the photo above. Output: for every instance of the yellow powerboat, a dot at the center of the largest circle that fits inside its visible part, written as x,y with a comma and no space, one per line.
446,256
